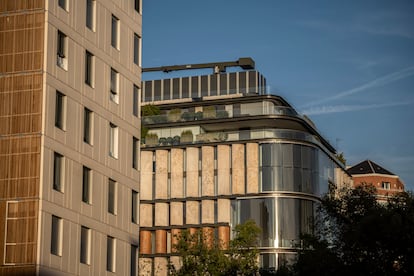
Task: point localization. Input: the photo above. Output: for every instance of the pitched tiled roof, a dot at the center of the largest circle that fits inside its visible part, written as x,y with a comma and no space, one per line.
367,167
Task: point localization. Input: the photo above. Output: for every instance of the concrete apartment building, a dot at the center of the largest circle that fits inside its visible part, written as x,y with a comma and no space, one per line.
368,172
70,75
222,151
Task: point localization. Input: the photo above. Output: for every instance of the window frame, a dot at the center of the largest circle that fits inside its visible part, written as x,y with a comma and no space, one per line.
114,85
86,184
113,140
115,28
89,68
87,126
60,110
134,206
56,233
137,49
90,14
58,172
135,101
112,196
137,6
85,245
110,254
62,50
135,152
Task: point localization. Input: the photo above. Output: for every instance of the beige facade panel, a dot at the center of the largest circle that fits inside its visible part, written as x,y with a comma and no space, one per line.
177,169
192,212
252,167
207,211
146,191
223,170
238,168
160,266
162,214
145,266
161,174
145,218
223,210
176,213
192,172
207,171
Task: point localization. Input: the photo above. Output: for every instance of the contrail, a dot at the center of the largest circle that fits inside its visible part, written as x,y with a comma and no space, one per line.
375,83
321,110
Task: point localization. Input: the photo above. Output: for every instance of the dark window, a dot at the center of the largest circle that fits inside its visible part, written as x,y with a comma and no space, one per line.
86,185
135,99
61,45
90,14
58,172
134,261
134,207
88,68
63,4
60,110
112,196
56,236
137,5
115,32
87,126
85,244
135,153
137,43
110,254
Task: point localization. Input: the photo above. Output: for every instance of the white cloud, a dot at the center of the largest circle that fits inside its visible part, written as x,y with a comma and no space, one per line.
321,110
378,82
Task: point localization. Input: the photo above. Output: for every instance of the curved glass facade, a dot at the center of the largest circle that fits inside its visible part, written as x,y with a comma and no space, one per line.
294,168
281,219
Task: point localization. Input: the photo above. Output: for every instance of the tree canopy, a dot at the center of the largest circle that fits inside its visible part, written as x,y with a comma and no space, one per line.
357,235
203,254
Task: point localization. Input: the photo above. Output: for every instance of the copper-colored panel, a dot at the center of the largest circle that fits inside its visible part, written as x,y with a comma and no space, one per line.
160,241
175,237
208,236
145,242
224,236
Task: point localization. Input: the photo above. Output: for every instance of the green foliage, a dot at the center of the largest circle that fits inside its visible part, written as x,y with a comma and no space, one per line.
341,158
150,110
356,235
203,254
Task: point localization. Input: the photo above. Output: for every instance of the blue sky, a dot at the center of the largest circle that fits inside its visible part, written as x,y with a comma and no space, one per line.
348,65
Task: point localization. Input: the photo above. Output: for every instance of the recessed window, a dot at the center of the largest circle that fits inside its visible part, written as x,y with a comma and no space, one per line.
386,185
112,196
137,47
62,48
90,14
63,4
56,236
134,207
110,253
137,6
115,32
134,260
89,68
135,148
85,245
86,185
60,110
87,125
135,99
58,163
113,140
114,85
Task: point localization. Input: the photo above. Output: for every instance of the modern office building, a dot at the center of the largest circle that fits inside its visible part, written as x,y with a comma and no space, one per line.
221,151
385,182
70,77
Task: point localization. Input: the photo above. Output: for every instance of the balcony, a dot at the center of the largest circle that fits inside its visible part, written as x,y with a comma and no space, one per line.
170,137
212,113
